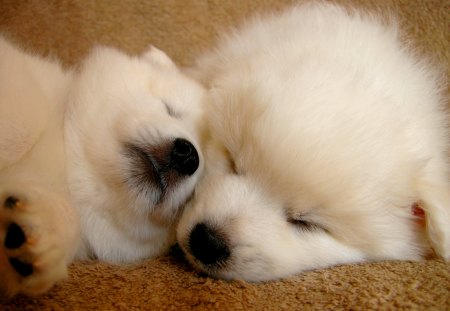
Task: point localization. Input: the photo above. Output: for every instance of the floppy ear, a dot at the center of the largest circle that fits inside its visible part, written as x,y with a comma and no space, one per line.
156,56
436,204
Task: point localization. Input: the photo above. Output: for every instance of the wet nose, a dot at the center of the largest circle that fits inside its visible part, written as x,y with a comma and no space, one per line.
184,157
207,245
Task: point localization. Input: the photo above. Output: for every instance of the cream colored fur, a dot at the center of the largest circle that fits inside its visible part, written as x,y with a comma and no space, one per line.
71,145
325,130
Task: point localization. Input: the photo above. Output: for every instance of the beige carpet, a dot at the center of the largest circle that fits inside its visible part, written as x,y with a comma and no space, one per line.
183,28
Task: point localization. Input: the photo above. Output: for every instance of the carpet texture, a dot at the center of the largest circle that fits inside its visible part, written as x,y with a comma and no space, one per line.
66,29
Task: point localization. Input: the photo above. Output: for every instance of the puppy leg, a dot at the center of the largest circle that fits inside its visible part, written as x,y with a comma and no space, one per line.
38,234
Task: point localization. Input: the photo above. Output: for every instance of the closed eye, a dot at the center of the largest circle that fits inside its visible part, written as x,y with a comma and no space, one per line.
170,111
301,223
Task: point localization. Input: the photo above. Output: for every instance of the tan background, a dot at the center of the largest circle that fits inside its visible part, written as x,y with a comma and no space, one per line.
67,29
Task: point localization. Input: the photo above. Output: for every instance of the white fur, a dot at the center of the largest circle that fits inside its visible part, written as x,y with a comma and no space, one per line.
322,116
64,156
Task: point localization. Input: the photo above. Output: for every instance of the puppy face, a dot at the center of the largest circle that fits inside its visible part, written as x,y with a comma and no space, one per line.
133,144
250,236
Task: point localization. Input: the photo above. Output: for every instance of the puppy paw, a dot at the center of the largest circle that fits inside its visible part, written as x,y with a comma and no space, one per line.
31,258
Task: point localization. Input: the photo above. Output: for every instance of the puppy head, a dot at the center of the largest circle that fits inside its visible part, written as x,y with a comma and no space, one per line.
134,125
274,201
324,162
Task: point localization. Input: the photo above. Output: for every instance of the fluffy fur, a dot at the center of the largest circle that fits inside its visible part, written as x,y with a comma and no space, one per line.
94,162
325,133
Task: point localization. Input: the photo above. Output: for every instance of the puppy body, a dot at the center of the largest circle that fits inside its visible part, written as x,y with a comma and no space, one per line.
96,162
329,131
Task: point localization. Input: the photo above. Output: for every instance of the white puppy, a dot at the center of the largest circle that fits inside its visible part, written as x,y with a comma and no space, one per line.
328,132
94,163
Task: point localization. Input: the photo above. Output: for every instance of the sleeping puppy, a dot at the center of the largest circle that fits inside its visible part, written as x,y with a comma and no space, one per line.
94,163
327,135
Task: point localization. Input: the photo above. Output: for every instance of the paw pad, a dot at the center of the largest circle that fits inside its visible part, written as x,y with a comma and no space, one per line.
24,269
14,237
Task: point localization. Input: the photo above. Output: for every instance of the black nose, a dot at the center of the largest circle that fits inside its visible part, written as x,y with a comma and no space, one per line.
184,157
207,245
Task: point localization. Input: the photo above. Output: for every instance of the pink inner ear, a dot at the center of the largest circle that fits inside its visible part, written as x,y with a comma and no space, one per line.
419,214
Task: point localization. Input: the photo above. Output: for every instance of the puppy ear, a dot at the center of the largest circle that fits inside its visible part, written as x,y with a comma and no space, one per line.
156,56
436,204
